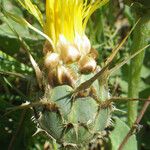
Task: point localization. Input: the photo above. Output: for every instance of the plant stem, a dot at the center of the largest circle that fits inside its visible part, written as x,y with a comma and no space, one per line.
135,125
14,137
141,36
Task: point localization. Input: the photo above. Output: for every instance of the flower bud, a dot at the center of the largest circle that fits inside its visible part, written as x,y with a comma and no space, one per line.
47,48
83,44
69,53
86,45
55,76
93,53
61,75
87,64
61,43
51,60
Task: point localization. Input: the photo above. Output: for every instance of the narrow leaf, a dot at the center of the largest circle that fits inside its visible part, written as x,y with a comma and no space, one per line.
109,60
23,22
33,62
115,51
117,66
32,9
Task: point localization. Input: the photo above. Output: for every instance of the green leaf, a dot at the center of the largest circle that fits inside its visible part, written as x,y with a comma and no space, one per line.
8,63
10,44
24,23
10,124
119,133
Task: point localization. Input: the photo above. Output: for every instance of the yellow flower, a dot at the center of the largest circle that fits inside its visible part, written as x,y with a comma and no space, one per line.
66,20
68,17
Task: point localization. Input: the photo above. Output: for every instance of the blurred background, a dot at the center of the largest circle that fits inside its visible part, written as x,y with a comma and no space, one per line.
106,28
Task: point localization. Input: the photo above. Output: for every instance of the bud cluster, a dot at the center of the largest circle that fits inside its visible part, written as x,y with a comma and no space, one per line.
58,62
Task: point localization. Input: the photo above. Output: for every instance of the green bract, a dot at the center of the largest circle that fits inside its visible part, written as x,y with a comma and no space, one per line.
74,119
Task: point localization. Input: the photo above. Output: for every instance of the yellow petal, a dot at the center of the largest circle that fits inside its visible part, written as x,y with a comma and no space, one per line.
68,17
90,8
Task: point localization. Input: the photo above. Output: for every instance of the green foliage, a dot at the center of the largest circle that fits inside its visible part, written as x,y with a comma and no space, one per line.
118,134
18,84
